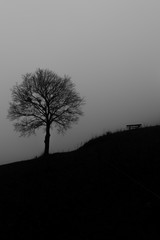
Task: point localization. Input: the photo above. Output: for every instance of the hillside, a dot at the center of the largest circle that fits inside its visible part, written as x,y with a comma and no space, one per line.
107,188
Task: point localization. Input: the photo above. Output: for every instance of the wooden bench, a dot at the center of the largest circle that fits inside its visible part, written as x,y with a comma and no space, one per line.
133,126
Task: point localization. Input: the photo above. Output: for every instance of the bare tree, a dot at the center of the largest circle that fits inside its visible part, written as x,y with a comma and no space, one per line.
44,99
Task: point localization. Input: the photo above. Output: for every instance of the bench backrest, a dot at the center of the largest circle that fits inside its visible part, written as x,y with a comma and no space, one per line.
133,126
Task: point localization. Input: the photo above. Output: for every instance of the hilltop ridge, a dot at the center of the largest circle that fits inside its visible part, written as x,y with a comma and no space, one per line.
90,193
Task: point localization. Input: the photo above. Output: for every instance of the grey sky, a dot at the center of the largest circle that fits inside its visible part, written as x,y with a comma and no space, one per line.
110,48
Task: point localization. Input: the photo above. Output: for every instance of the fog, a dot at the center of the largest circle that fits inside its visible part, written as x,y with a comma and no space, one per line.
109,48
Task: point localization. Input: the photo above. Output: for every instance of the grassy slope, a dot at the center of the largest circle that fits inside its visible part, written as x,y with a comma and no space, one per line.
85,194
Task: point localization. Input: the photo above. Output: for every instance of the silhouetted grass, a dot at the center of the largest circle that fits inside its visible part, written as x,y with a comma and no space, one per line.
106,189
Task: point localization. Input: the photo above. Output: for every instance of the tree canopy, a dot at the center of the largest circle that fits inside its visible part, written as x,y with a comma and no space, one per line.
43,99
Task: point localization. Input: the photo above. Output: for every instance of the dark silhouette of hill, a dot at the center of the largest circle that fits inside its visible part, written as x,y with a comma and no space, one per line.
107,189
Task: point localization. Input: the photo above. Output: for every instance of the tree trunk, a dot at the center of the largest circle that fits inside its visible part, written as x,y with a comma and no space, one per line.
46,141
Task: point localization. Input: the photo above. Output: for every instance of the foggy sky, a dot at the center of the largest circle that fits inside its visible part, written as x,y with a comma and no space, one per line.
109,48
